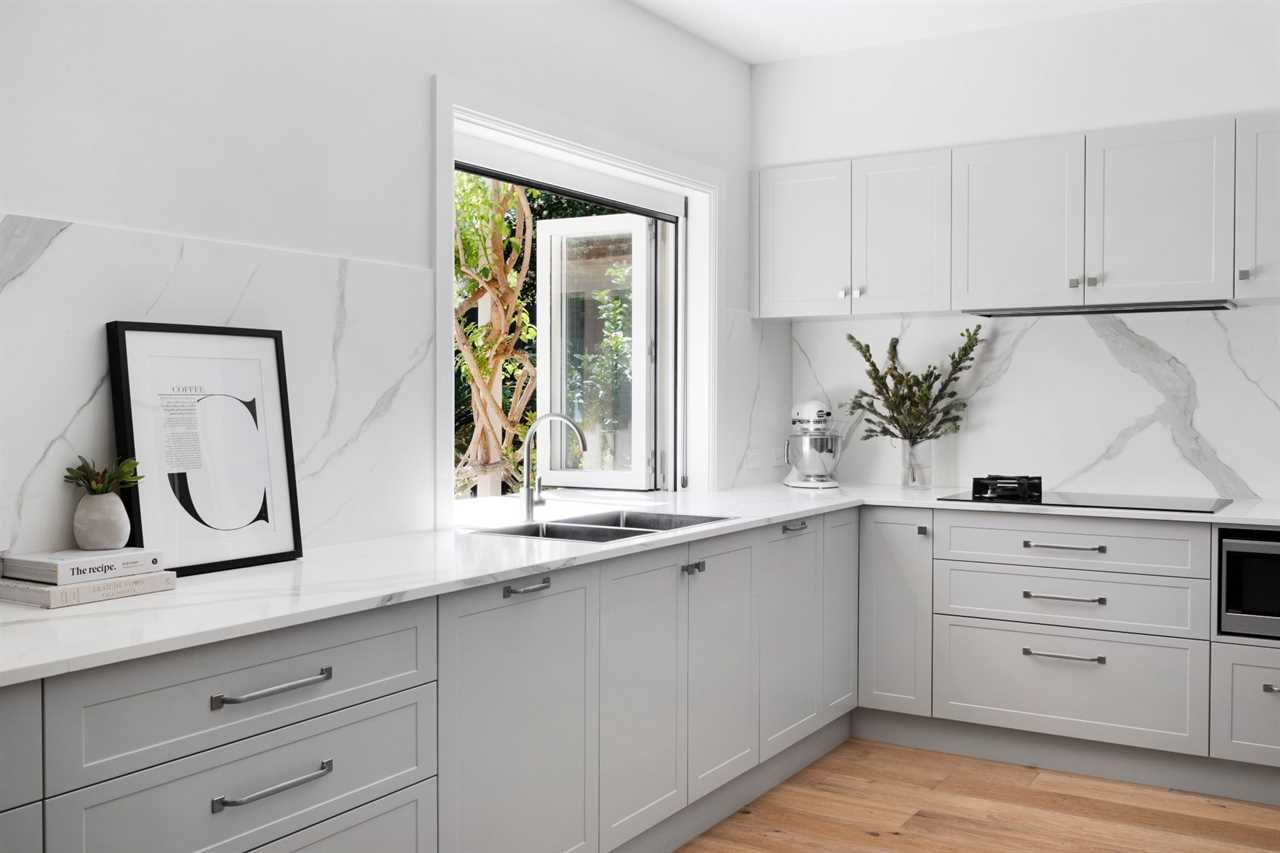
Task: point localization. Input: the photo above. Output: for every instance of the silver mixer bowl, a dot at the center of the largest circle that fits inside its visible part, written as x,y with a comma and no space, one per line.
813,456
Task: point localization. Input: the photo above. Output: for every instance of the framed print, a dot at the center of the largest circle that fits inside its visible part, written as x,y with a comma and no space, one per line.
205,411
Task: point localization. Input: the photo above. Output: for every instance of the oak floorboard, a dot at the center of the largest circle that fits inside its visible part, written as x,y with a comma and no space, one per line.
869,797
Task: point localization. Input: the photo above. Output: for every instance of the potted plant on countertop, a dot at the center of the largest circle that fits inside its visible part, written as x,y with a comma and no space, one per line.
101,522
913,408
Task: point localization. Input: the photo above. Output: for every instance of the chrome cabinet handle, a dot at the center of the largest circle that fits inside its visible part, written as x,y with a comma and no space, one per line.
843,293
220,802
1245,274
856,293
694,568
1027,543
1028,652
1092,281
217,700
1073,282
1102,599
1270,688
508,591
795,528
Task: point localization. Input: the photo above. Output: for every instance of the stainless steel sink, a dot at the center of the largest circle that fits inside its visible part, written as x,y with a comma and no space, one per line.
566,530
648,521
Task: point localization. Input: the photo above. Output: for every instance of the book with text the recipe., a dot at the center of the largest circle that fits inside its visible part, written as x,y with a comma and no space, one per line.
73,566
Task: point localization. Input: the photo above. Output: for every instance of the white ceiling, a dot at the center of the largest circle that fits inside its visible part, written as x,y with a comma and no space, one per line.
770,30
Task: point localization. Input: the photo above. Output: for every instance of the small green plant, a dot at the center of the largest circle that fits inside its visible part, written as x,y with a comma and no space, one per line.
912,407
122,475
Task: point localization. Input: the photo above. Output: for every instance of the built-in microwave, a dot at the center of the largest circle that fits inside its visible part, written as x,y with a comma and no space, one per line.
1249,582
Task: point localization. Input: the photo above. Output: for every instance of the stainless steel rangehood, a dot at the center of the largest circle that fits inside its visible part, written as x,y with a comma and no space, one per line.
1134,308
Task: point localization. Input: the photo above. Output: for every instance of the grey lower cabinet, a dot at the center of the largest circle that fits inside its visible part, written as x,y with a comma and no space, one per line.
403,822
20,745
519,715
1246,704
644,701
22,829
724,681
895,610
840,574
787,587
242,795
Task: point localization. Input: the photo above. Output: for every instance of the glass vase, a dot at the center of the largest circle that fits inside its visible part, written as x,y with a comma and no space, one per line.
917,465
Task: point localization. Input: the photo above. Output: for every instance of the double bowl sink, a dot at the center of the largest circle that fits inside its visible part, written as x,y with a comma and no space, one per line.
605,526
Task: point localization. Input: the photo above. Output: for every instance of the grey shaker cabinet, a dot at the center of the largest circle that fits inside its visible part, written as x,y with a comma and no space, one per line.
20,757
403,822
22,830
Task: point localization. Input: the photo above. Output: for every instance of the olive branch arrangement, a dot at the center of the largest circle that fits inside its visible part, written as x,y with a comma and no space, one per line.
912,407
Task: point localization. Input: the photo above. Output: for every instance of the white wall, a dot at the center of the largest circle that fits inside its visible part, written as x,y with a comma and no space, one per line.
1144,63
306,127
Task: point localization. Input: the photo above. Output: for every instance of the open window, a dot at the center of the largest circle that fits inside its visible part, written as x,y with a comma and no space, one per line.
597,348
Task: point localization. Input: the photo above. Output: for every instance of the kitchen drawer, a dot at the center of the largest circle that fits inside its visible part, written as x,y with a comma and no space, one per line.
22,830
1151,692
1177,548
19,744
1246,715
1141,604
370,750
106,722
403,822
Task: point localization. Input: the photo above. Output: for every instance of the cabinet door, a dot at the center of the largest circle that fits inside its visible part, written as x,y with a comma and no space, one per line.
1158,212
1245,693
804,240
787,578
1258,206
403,822
902,233
895,610
22,830
519,705
644,647
1018,224
724,692
839,614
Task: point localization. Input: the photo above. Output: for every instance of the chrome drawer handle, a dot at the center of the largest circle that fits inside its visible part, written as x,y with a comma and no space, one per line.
795,528
1027,543
508,591
1270,688
1026,593
217,700
1073,282
1029,653
219,803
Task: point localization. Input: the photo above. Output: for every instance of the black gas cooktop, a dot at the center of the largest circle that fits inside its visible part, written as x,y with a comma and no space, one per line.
1005,489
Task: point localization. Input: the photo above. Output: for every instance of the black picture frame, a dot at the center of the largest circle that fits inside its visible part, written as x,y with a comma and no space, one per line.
122,405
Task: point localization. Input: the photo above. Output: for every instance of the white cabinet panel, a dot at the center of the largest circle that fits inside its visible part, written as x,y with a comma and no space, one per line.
20,756
895,605
22,830
787,581
403,822
1142,604
902,233
1246,704
805,234
1017,237
1158,212
724,688
1258,206
519,705
839,614
1151,692
644,648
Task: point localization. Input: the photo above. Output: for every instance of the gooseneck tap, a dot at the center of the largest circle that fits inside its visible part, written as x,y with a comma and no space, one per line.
532,482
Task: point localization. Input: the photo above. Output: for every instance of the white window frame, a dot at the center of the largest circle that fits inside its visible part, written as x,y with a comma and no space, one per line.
550,240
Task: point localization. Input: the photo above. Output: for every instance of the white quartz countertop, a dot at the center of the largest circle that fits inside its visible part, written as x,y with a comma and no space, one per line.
360,576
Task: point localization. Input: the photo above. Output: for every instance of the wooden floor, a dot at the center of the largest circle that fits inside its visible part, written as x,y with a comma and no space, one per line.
873,796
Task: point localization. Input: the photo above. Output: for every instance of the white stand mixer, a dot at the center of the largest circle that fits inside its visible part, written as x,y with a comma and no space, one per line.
813,448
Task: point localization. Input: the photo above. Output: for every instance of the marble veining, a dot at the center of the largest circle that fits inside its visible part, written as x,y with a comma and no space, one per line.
360,398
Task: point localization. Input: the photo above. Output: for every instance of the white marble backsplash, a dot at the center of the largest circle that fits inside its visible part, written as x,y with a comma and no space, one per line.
1175,403
358,348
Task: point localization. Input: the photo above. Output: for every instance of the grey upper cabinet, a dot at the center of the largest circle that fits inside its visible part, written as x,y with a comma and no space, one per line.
1017,237
724,686
895,610
902,233
804,240
1158,212
644,705
787,584
1258,206
519,713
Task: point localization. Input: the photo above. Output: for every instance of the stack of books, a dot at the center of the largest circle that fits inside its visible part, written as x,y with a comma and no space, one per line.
64,578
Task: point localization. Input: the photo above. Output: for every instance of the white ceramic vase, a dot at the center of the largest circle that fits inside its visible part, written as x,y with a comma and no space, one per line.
101,523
